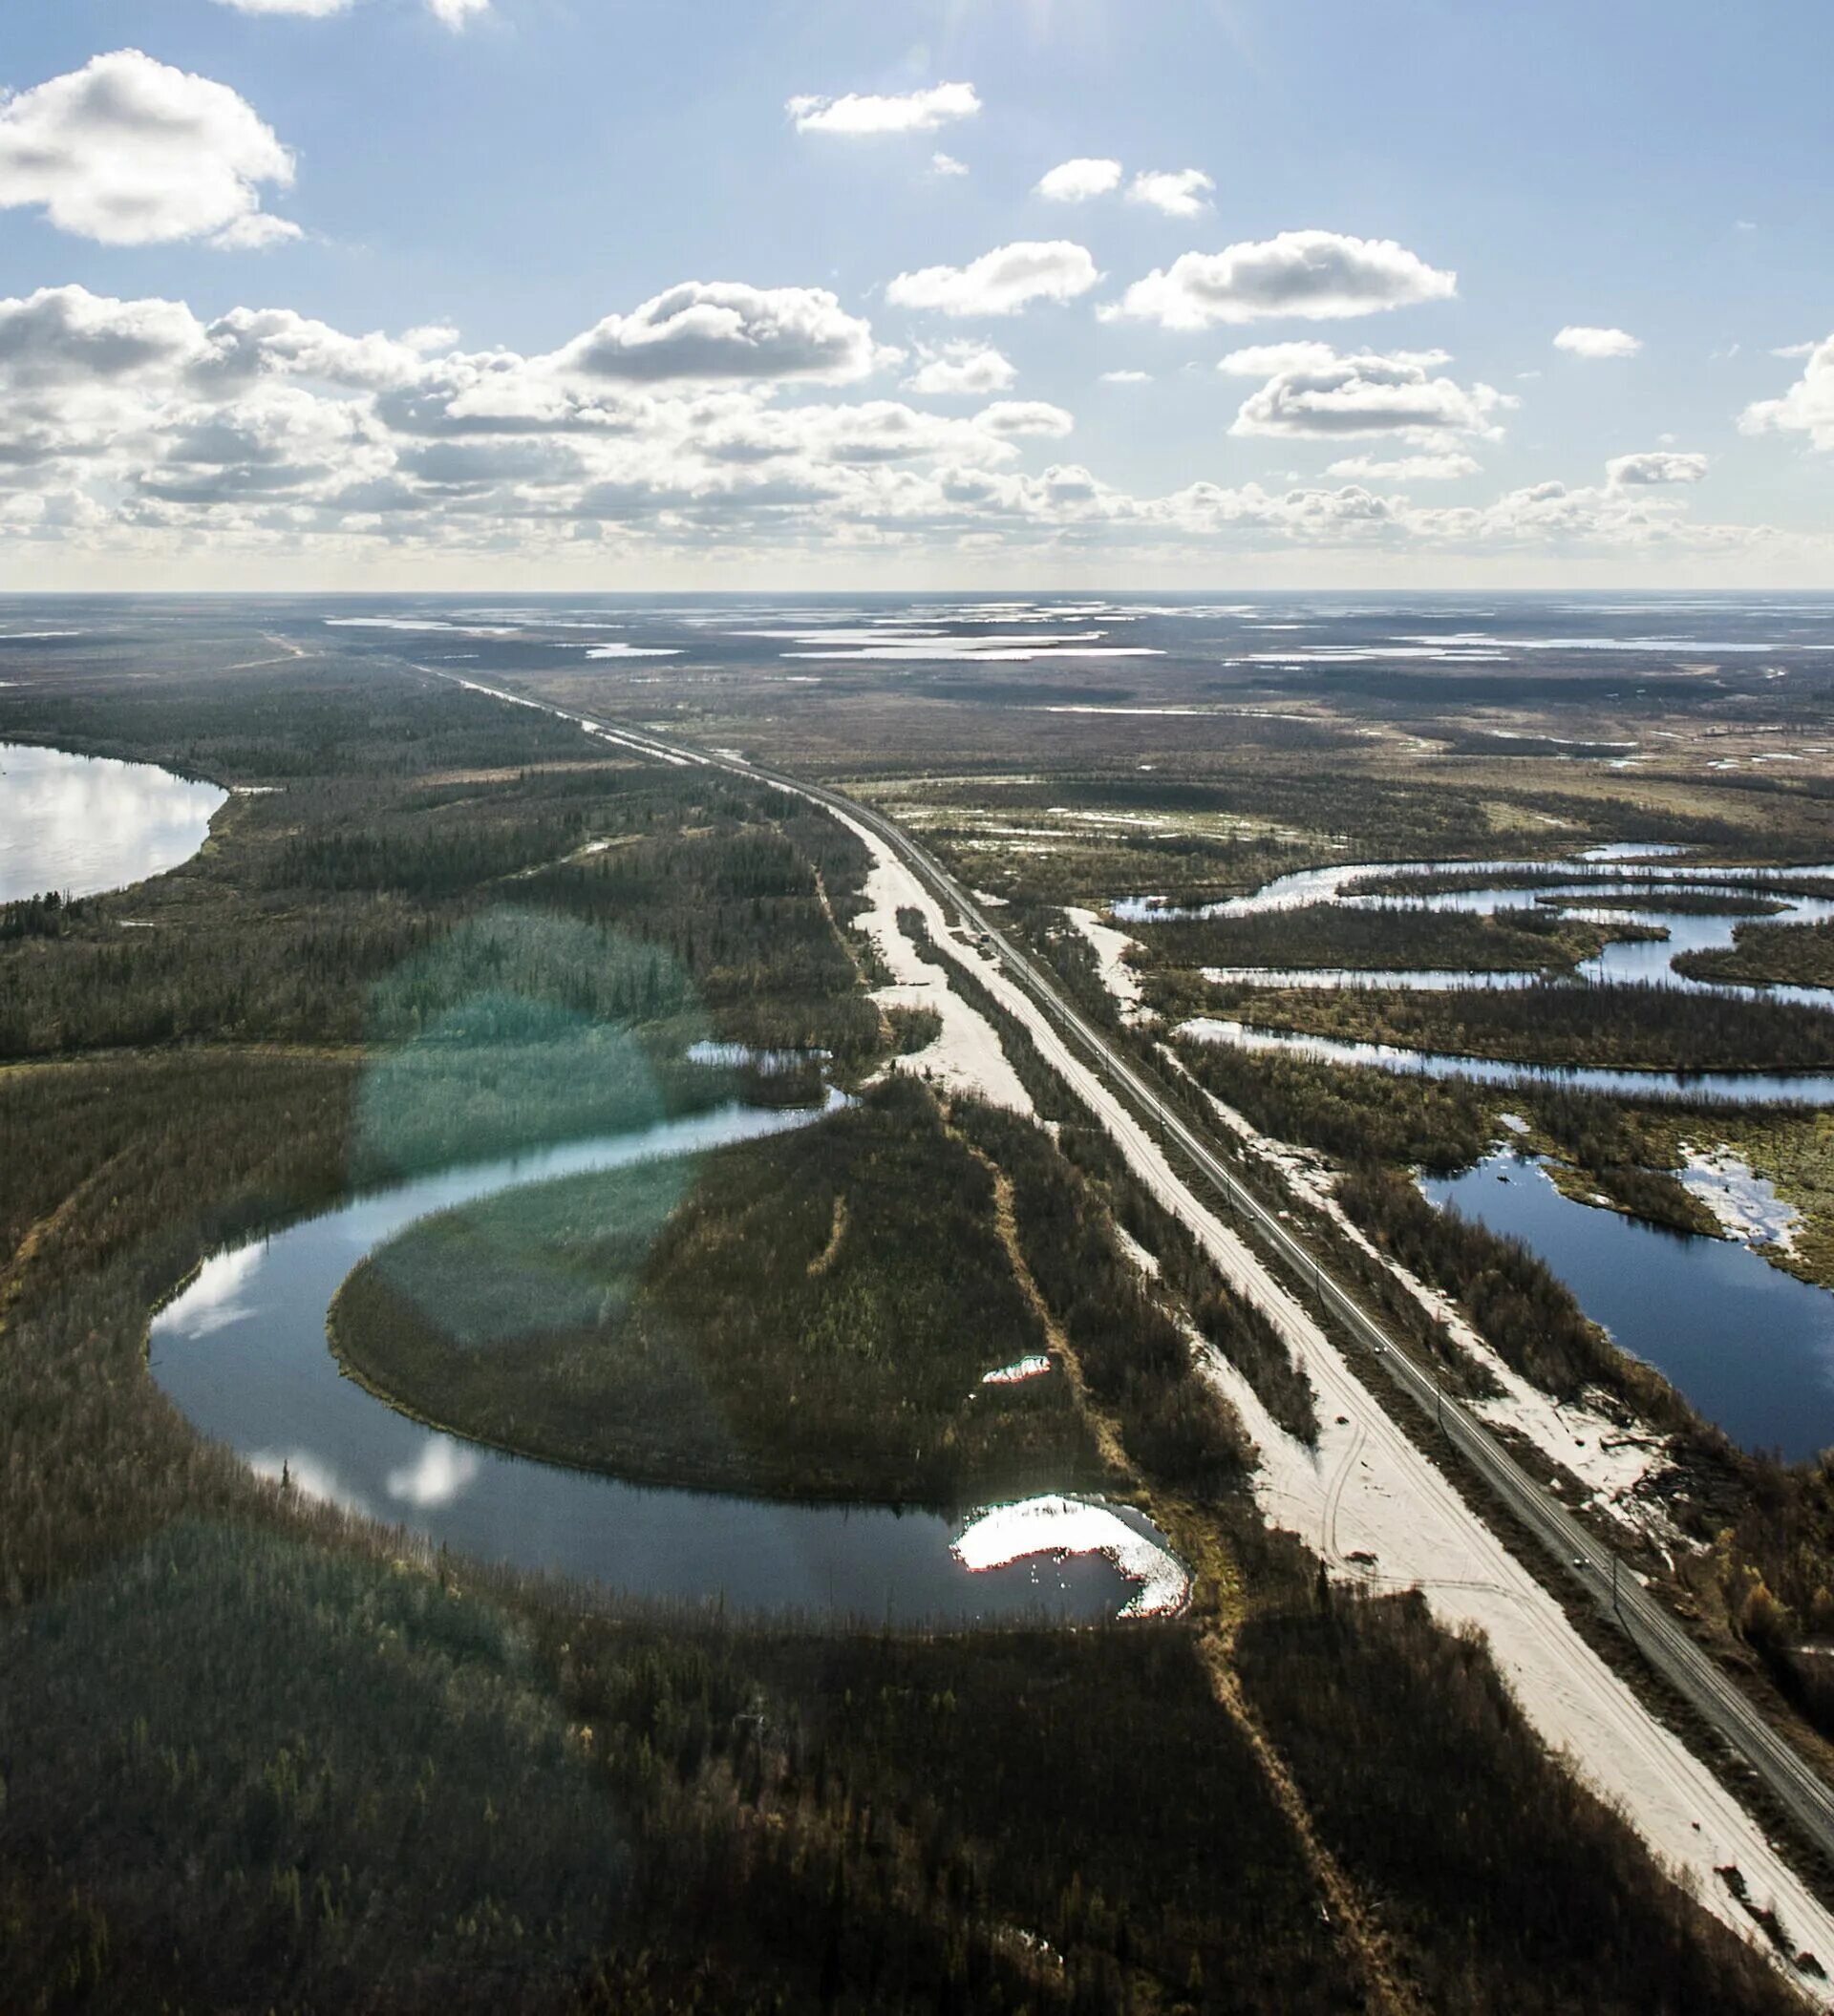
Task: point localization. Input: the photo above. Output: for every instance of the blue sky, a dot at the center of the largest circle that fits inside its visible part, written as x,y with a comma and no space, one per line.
1386,216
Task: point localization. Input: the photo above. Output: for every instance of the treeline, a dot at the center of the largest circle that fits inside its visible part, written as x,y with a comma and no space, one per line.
1136,1363
1515,1300
1358,1116
727,921
1510,1889
1652,1028
1405,936
48,915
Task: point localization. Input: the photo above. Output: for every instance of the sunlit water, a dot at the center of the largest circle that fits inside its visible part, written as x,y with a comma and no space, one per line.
242,1351
82,825
1750,1347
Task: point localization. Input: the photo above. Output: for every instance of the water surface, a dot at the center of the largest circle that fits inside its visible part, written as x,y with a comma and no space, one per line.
82,825
1750,1347
242,1352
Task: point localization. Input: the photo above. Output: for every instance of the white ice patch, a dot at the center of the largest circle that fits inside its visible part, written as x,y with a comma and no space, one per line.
1032,1367
1745,1204
1065,1526
1111,947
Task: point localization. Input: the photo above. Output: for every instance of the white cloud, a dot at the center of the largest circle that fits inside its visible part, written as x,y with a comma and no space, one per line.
1183,192
1011,418
1654,468
1337,398
1807,407
67,336
946,166
1313,276
1791,352
318,9
1001,281
431,336
1077,182
131,152
253,343
915,112
1263,360
135,435
1581,341
1405,468
962,370
1126,377
455,13
724,330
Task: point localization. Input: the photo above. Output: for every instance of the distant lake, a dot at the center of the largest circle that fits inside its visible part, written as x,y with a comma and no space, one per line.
82,825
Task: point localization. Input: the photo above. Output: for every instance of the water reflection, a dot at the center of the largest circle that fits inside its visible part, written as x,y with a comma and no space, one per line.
82,825
1732,1088
1752,1347
242,1352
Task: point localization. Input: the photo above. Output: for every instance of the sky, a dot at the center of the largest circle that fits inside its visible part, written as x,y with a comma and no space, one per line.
627,294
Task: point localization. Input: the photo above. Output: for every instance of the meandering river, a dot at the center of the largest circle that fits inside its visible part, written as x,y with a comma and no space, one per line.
242,1352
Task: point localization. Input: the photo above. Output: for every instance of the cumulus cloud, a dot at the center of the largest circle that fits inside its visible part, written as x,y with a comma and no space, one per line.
1653,469
1263,360
133,428
724,330
1183,192
856,116
962,370
1312,276
131,152
1001,281
455,13
1405,468
1009,419
67,336
1807,407
1579,340
1334,398
1126,377
946,166
1077,182
317,9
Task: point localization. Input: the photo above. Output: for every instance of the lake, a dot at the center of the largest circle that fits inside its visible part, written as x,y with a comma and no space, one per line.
82,825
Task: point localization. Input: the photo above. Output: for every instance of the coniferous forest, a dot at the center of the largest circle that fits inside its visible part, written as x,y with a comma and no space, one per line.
260,1753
